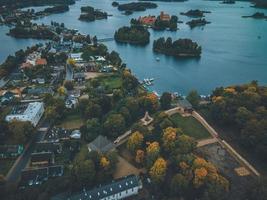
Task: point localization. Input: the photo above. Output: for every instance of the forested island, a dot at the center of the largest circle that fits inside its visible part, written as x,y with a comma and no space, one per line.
170,23
197,22
34,32
29,3
195,13
55,9
132,35
91,14
257,15
260,4
136,6
178,48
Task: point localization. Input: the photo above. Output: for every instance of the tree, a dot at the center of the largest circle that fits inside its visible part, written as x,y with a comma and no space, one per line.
114,58
140,156
104,163
169,138
165,100
93,110
114,125
93,129
21,131
152,152
194,98
129,82
69,85
158,170
62,91
179,184
135,141
84,171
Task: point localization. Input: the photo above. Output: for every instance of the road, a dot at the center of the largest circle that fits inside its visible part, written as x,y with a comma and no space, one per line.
23,159
69,73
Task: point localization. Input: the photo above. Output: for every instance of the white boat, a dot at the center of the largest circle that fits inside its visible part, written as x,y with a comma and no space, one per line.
157,59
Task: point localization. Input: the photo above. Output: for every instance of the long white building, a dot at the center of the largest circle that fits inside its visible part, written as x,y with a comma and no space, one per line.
31,112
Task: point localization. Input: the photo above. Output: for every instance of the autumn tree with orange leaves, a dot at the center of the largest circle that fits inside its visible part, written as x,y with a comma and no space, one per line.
158,170
135,141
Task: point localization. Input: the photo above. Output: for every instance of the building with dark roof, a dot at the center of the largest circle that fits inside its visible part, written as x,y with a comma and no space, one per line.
53,147
185,105
10,151
118,189
101,144
42,159
37,176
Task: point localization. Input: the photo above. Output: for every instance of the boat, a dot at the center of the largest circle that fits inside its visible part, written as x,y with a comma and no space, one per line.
157,59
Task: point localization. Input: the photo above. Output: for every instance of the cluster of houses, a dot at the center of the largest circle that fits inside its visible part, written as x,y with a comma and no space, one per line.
43,163
151,19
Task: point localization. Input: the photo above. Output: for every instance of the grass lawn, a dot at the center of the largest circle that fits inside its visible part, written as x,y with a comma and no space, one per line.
190,126
110,82
5,165
72,122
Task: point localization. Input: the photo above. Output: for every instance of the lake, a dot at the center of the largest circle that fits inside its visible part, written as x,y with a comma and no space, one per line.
232,52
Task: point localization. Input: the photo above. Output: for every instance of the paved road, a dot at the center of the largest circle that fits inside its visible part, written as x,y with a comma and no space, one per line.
23,159
69,73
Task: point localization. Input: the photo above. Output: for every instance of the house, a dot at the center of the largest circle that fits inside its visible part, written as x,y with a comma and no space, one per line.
76,134
42,158
185,106
74,93
37,176
100,59
10,151
71,102
41,61
79,77
57,134
164,17
37,92
101,144
53,147
118,189
31,177
147,20
7,97
31,112
77,57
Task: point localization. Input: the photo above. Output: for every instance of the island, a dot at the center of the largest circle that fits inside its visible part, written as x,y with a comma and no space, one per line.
257,15
197,22
133,35
162,22
54,10
228,2
33,31
115,4
136,6
195,13
91,14
260,4
178,48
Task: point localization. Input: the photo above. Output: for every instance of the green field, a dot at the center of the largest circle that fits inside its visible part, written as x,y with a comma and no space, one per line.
190,126
72,122
110,82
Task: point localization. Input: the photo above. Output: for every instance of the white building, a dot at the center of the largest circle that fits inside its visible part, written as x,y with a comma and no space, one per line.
118,189
77,57
32,113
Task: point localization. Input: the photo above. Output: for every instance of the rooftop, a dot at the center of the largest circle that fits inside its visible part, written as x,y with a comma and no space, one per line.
102,192
101,144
